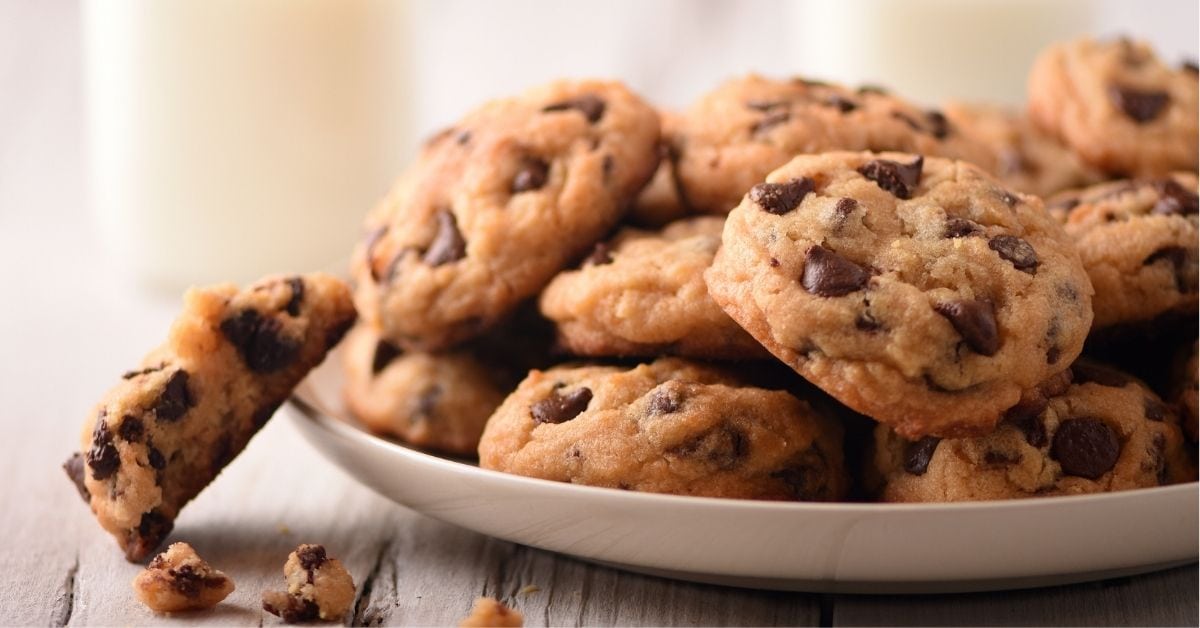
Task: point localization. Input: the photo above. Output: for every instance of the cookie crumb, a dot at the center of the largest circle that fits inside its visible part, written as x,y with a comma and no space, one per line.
529,588
490,613
318,587
179,580
283,529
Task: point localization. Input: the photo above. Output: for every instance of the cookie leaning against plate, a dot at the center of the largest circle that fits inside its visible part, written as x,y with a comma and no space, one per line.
735,135
643,294
498,204
671,426
917,291
1117,105
1138,243
1102,432
167,429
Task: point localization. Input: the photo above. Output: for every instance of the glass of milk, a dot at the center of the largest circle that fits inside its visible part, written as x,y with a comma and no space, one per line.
229,139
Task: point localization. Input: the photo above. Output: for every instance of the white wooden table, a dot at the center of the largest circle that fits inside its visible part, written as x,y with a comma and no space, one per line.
70,327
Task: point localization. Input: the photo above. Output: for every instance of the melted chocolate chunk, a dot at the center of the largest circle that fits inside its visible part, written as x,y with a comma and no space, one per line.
531,175
828,274
448,245
804,476
897,178
385,352
293,304
559,408
1016,251
156,458
1155,410
131,428
867,322
724,447
103,457
781,198
601,254
975,321
311,556
960,227
769,121
74,468
918,454
664,401
1175,199
259,341
844,105
1085,447
842,210
1027,417
1182,264
289,608
1141,106
151,530
426,403
591,106
176,399
939,126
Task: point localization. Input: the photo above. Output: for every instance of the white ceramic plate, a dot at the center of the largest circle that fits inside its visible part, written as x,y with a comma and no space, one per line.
868,548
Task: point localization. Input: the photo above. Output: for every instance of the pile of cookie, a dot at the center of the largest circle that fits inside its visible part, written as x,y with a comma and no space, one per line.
793,290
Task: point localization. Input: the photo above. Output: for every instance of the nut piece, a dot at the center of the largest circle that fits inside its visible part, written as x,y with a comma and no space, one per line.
179,580
318,587
489,613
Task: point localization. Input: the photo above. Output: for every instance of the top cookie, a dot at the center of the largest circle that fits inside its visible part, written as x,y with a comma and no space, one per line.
1117,105
731,138
1027,159
498,204
917,291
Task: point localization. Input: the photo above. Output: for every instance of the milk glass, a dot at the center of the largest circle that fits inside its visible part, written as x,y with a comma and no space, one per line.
233,138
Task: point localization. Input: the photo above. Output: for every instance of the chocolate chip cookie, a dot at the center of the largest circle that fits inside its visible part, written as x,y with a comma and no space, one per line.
916,290
670,426
438,401
643,294
1117,105
179,580
732,137
659,203
498,204
167,429
1138,243
1027,159
318,587
1102,432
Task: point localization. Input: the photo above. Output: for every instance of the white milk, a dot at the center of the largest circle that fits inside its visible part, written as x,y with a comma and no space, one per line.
234,138
931,50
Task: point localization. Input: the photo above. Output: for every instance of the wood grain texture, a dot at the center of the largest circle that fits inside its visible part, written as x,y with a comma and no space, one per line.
71,327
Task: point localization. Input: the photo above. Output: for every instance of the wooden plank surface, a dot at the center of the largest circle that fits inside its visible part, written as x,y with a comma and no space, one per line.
70,327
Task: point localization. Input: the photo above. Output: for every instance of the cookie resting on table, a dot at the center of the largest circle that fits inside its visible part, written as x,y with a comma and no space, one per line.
735,135
496,205
1117,105
916,290
1092,429
643,294
179,580
671,426
167,429
1138,242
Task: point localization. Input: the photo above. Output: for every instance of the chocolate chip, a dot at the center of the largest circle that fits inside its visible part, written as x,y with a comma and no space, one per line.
385,352
311,556
175,398
1182,264
1175,199
1140,105
103,457
259,341
804,477
291,609
960,227
1016,251
601,254
560,408
1159,457
769,121
938,124
865,321
591,106
842,210
1000,458
131,428
426,403
1085,447
531,175
918,454
1155,409
975,321
463,137
781,198
448,245
895,177
1053,354
150,532
372,239
1085,372
155,458
74,468
145,371
844,105
1027,417
724,447
664,401
828,274
765,105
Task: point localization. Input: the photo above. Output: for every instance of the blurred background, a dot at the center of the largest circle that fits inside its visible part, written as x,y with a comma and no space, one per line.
225,139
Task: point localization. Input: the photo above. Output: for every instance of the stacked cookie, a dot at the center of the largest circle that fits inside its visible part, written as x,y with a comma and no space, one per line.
899,258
